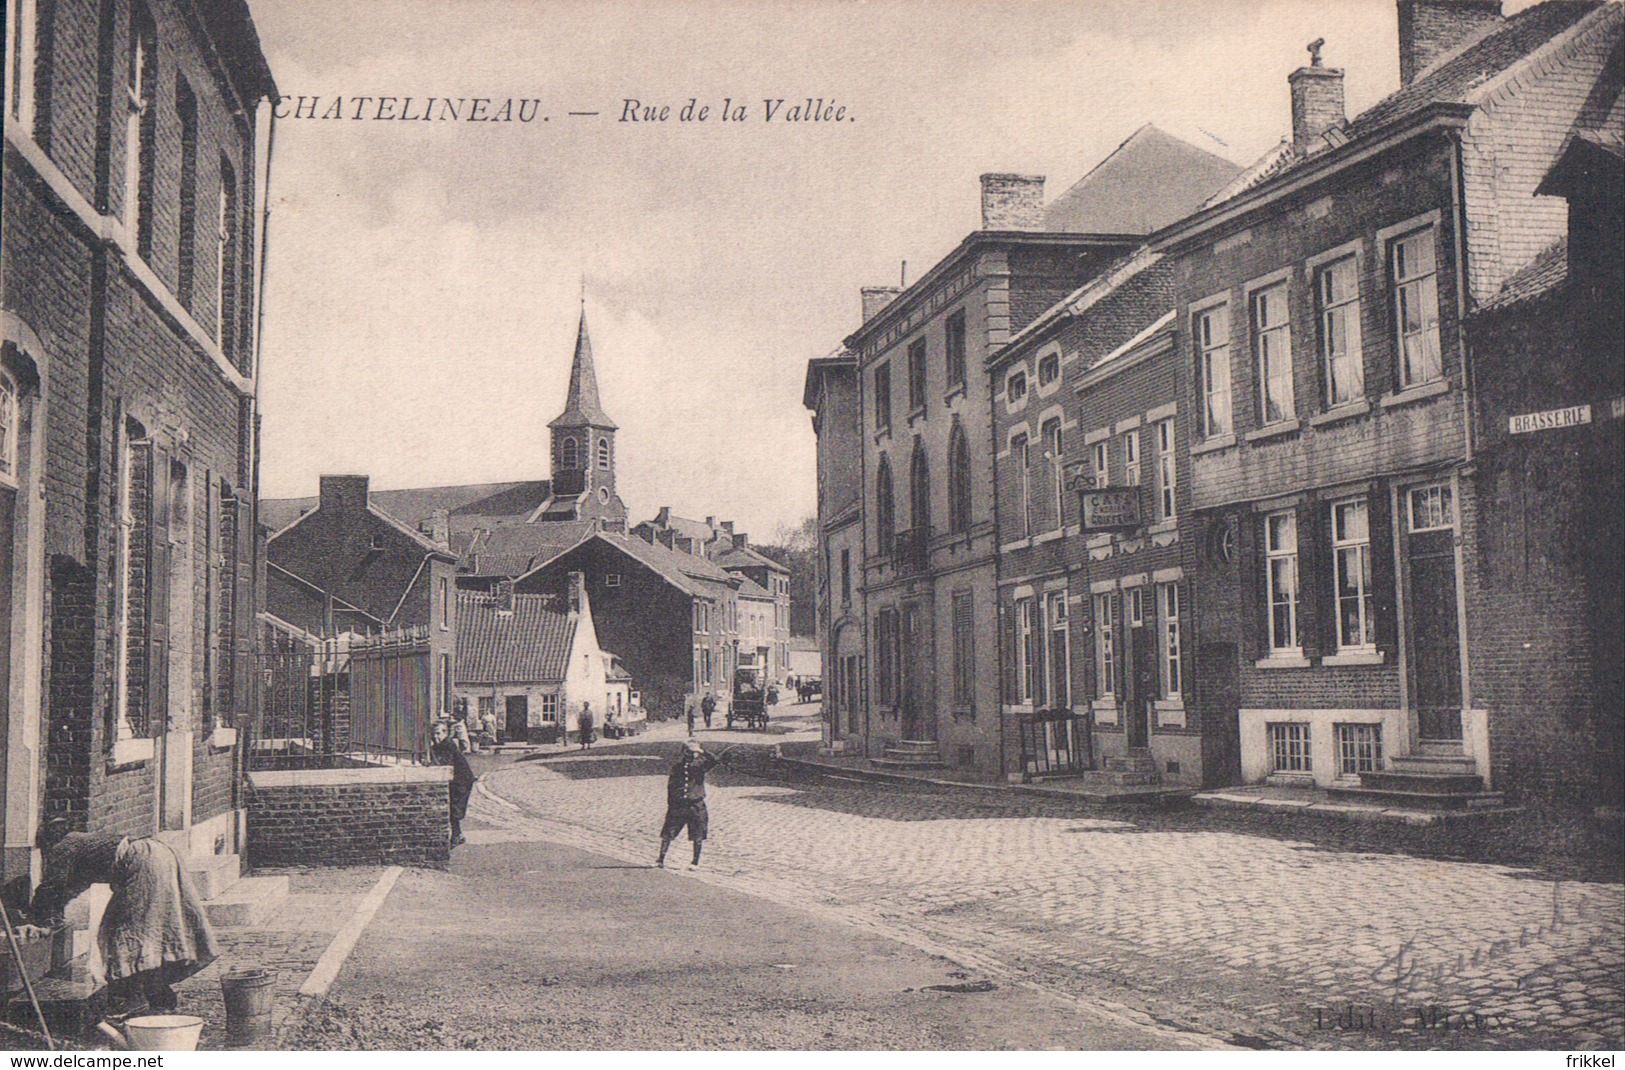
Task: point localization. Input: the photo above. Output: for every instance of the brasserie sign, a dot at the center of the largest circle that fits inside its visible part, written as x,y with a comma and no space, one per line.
1110,508
1550,420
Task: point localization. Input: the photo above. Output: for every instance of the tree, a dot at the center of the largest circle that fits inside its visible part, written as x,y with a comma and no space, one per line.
796,548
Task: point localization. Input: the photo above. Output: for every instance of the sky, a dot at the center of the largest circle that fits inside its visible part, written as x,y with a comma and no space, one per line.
424,279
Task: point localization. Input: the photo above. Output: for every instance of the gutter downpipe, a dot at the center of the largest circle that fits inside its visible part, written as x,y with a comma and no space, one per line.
1459,225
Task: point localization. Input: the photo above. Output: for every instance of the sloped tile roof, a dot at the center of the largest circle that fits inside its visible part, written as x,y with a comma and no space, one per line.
529,644
749,588
746,557
693,575
514,549
1546,273
1147,182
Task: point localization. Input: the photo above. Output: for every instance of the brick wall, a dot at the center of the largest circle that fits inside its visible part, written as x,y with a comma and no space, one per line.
350,817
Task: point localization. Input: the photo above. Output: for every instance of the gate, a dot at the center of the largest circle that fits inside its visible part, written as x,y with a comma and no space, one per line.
1056,742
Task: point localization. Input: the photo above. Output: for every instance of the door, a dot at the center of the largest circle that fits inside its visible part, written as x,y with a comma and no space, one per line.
1218,687
518,718
1142,673
1435,635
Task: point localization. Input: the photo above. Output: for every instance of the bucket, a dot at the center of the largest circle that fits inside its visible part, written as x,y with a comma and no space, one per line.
250,994
163,1032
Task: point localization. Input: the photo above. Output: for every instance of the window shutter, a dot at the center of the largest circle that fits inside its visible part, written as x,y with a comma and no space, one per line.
1251,566
1317,628
158,589
1383,583
1012,659
242,612
211,601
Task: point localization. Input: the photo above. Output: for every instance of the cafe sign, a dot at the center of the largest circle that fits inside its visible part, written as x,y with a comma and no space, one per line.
1110,508
1550,420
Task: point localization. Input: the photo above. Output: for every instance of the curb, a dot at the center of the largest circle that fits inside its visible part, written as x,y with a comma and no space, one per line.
1038,790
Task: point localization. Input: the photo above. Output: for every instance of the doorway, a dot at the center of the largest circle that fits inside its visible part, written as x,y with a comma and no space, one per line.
517,718
1142,671
1434,638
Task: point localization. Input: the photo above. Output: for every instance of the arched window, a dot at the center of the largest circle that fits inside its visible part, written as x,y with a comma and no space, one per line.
1050,432
569,456
603,453
958,480
885,507
8,429
919,491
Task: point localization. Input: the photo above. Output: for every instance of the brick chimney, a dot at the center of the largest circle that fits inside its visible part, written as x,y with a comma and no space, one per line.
505,595
343,494
876,298
1317,100
577,592
437,527
741,541
1429,30
1012,202
663,517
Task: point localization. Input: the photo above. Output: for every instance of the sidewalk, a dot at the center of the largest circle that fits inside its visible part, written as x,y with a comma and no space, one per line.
291,942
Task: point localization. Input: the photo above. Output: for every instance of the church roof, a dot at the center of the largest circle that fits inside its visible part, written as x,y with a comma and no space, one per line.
581,406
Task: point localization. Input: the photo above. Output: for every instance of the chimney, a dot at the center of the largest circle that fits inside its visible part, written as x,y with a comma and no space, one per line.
577,593
1429,30
741,541
728,528
437,526
1012,202
876,298
1317,100
682,544
663,517
343,494
505,595
711,522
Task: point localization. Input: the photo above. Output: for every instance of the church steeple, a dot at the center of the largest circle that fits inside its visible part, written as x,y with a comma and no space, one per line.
581,405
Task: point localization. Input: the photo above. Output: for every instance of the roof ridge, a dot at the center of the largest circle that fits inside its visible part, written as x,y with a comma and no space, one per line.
1598,15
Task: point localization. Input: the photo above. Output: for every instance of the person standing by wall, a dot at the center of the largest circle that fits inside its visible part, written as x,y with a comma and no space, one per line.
445,751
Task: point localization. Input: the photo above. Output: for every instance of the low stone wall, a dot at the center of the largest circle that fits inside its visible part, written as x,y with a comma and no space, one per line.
397,815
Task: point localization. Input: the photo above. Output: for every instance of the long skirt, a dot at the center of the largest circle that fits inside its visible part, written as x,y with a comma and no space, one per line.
155,918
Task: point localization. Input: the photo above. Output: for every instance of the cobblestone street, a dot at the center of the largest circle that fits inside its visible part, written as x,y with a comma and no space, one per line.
1186,921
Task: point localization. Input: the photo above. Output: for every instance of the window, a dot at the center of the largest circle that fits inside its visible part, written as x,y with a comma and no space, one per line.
1051,433
603,454
1103,474
883,397
1029,651
1289,747
226,260
1337,289
958,480
1212,332
612,579
134,536
1432,508
1416,308
1049,368
1105,646
885,508
1166,472
1020,454
1060,651
1272,334
1136,607
916,375
550,709
8,430
445,604
964,650
1359,749
140,128
186,112
1169,642
1281,580
1351,548
886,640
954,348
1015,388
919,491
699,674
23,54
569,453
1131,458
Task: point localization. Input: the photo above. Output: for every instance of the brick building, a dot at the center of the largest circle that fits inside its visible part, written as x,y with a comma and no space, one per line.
128,418
1321,303
1093,481
928,562
348,566
671,618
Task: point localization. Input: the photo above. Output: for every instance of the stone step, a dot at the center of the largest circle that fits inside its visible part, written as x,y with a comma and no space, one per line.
1421,800
214,874
1121,777
1432,763
248,902
914,746
1131,763
923,761
1429,783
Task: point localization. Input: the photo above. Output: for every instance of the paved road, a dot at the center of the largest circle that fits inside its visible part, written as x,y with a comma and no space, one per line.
1200,925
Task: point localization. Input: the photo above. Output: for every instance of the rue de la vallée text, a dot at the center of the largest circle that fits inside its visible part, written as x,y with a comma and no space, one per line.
631,111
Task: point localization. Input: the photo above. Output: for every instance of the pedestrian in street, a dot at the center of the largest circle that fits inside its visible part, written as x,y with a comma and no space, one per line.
585,725
685,801
708,706
459,730
488,727
444,751
691,718
153,932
